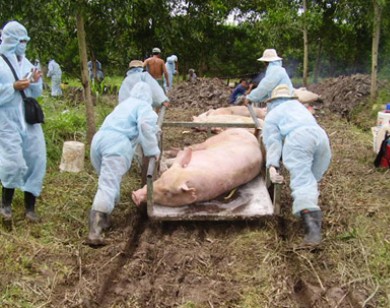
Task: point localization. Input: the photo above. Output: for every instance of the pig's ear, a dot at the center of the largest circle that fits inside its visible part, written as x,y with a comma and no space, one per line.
184,187
184,157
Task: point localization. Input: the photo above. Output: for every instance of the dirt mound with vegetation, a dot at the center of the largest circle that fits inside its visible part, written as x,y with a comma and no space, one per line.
344,93
341,95
203,94
258,263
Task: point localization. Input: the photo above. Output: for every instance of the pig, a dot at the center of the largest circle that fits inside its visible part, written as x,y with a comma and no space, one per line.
206,170
224,118
235,110
305,96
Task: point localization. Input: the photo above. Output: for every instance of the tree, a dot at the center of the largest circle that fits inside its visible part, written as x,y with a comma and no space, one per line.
305,45
376,28
91,127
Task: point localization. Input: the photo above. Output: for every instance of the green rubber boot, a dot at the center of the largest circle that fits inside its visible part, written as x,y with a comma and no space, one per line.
312,221
6,201
98,221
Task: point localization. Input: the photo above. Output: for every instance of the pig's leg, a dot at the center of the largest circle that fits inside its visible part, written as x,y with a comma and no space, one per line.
139,196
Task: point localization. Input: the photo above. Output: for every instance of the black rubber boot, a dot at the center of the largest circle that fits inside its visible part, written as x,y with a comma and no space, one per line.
6,201
312,221
29,203
98,221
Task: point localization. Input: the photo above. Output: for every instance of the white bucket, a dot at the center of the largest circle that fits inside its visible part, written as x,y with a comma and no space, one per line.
378,134
383,118
72,159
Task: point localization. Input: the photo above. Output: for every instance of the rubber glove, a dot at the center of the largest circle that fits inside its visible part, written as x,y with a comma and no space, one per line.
274,176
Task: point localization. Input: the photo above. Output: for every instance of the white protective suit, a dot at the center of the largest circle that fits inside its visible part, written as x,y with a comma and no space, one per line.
132,122
274,75
291,132
135,75
171,69
55,73
22,146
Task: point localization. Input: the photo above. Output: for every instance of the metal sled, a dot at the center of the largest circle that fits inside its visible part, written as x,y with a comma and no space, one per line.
250,201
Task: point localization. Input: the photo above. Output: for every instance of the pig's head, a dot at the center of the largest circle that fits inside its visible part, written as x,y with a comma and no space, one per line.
173,188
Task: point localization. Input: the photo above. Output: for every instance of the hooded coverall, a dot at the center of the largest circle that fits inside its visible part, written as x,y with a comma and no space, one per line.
274,75
291,132
22,146
132,122
171,69
135,75
54,71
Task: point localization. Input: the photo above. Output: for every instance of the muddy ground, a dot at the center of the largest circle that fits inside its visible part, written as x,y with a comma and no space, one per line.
222,264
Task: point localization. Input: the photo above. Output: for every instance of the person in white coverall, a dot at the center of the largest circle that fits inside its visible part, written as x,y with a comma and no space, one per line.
55,73
291,133
172,69
275,75
135,74
132,122
22,145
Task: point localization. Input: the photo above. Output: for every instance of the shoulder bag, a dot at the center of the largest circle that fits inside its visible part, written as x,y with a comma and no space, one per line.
32,110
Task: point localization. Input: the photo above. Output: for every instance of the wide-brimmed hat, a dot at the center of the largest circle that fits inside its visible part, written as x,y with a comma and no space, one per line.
281,91
156,50
269,55
136,63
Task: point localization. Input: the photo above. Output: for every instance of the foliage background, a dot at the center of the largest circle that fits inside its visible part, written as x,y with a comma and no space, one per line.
220,38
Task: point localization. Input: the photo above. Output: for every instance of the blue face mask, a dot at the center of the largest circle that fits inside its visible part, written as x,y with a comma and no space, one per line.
21,49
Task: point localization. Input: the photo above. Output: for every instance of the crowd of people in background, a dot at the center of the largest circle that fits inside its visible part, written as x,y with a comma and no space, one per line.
290,133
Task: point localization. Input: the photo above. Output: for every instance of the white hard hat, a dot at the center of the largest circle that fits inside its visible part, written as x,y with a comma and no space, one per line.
136,63
156,50
281,91
269,55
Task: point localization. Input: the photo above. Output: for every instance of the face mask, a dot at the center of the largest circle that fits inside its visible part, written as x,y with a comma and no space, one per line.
21,49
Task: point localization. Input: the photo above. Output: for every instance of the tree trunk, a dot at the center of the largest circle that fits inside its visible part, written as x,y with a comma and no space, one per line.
305,46
317,66
91,127
375,45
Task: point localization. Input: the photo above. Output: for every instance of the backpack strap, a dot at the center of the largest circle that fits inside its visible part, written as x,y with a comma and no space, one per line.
13,72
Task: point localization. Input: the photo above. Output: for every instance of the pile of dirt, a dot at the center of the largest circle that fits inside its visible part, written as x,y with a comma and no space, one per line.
204,94
344,93
340,94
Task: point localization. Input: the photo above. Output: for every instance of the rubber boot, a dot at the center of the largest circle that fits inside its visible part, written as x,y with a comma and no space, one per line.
98,221
6,201
312,224
29,203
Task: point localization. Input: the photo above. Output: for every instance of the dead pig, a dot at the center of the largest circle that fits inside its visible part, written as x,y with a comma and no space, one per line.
206,170
235,110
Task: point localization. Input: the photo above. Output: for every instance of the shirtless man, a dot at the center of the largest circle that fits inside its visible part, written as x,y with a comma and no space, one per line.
156,67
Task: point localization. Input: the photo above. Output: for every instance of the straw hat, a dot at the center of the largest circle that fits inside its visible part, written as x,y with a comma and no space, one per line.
281,91
136,63
269,55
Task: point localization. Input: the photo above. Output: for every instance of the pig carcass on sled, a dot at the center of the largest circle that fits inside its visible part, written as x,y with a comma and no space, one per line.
218,179
236,110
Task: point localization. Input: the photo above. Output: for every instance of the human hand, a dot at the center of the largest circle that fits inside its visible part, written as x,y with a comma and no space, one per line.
37,74
245,101
22,84
274,176
166,104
